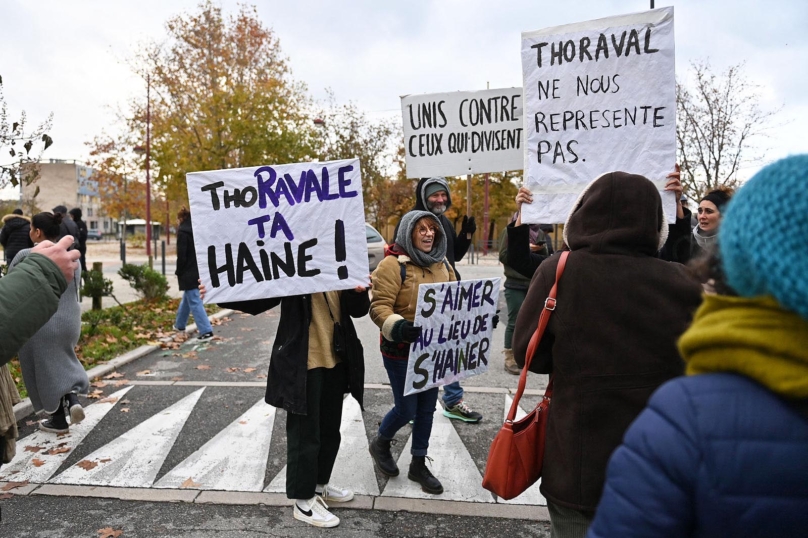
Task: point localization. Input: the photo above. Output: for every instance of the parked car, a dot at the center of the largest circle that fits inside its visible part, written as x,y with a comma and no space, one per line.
376,246
94,235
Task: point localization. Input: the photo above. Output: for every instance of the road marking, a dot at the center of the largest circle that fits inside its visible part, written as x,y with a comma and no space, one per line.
531,495
353,468
40,454
452,465
134,459
234,460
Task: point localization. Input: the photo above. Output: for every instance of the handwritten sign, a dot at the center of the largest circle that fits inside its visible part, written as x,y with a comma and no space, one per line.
452,134
600,96
275,231
455,342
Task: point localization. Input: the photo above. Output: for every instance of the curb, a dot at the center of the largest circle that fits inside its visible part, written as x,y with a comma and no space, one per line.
25,408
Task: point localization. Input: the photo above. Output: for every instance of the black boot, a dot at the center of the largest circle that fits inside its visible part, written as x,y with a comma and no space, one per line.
419,473
380,451
56,423
74,408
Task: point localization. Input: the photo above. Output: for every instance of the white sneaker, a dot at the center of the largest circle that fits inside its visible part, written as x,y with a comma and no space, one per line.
334,494
315,512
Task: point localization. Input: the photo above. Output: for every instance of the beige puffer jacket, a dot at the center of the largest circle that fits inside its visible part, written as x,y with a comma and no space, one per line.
393,299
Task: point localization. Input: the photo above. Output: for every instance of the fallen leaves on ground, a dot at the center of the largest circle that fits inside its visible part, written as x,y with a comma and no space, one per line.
144,372
94,395
111,339
87,464
243,422
109,532
203,367
248,370
121,382
124,409
113,375
36,462
14,485
99,384
190,355
108,399
176,379
190,484
247,329
33,448
58,450
261,376
5,496
233,369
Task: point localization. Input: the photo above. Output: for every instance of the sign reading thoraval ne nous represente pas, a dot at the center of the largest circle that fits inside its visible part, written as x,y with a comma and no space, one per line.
458,133
455,340
275,231
600,96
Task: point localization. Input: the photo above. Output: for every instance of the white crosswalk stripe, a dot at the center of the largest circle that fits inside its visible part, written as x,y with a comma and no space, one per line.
40,454
354,467
234,460
532,495
134,458
451,464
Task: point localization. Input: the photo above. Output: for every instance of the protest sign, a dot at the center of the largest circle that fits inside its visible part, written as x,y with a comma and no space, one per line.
457,133
455,340
275,231
600,96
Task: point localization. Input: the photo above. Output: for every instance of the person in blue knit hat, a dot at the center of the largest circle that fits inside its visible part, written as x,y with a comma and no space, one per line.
724,450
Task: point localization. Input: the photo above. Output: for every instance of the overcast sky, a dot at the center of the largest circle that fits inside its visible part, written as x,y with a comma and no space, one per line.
68,57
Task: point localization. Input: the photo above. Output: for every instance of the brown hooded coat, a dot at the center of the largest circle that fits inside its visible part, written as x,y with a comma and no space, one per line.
612,338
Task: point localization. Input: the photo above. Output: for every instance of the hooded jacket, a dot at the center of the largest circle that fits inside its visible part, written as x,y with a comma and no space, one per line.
187,270
15,235
456,246
611,340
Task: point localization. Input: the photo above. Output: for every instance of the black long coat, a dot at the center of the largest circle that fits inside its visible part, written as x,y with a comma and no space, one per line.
187,270
288,365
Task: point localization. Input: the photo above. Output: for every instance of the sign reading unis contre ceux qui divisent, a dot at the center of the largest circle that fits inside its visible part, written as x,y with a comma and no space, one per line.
457,133
600,96
279,230
456,328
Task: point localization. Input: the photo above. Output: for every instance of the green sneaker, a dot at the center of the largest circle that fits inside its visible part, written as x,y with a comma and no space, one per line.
461,411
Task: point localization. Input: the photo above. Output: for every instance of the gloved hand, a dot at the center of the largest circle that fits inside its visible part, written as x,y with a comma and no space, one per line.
405,331
469,225
495,320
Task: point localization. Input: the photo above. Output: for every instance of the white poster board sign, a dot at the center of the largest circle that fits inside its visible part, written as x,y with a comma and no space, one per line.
280,230
600,96
455,342
458,133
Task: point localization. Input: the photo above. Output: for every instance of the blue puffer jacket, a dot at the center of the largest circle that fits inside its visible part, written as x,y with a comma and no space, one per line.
712,455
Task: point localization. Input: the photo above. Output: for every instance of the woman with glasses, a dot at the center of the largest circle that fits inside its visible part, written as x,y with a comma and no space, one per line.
418,257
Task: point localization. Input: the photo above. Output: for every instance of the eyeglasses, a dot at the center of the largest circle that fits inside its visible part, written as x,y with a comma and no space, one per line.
424,230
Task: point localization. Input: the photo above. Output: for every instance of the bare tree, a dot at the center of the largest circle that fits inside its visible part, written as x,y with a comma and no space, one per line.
20,146
717,123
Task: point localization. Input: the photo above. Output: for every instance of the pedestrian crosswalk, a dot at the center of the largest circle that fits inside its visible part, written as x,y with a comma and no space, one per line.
236,458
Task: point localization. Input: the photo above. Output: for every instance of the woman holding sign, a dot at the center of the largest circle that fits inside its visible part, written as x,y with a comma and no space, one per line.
419,257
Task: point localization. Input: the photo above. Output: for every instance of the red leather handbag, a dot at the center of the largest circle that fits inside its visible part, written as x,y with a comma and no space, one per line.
517,452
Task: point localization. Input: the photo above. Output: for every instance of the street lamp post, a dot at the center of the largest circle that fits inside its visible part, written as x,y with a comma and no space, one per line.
147,151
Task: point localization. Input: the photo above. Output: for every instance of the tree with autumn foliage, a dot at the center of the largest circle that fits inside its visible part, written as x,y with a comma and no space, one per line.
122,193
20,148
502,191
222,96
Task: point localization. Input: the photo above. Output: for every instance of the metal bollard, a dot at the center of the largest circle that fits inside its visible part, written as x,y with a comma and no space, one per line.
163,251
123,252
98,266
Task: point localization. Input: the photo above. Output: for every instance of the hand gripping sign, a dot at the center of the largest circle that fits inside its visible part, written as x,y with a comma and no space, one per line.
279,230
455,341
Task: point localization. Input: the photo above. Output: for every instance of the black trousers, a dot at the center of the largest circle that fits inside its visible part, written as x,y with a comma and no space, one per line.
312,440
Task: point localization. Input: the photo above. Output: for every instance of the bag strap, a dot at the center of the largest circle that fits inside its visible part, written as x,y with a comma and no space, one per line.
549,307
325,296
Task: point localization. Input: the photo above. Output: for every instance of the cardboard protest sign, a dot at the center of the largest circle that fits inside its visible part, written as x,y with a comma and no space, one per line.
275,231
600,96
455,342
457,133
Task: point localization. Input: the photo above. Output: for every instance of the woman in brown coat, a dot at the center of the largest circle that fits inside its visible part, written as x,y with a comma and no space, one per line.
611,340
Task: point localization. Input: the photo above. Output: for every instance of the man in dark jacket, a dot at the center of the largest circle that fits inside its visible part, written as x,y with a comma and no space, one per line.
188,279
432,194
75,213
14,235
611,340
68,227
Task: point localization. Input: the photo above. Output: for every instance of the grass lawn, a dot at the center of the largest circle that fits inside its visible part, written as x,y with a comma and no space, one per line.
107,333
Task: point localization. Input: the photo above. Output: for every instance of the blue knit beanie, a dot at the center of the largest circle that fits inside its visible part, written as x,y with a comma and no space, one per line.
774,203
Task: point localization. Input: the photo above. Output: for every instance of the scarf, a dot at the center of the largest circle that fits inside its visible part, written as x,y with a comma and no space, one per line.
404,239
753,337
704,241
